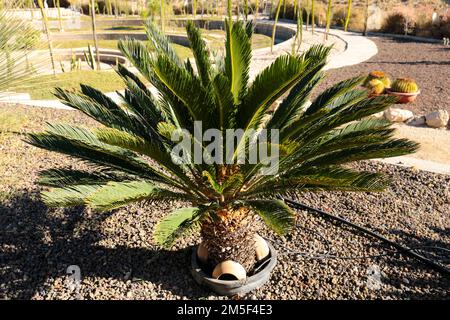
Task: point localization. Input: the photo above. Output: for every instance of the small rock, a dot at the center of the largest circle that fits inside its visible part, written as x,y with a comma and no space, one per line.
437,119
416,121
398,115
378,115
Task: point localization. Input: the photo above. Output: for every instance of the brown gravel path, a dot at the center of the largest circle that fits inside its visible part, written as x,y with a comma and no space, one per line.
428,63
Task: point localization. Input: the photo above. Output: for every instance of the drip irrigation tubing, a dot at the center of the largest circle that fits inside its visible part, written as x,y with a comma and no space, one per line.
399,247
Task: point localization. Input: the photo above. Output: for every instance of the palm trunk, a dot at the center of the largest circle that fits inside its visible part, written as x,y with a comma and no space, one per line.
230,12
328,22
347,17
59,15
312,16
162,14
299,34
295,10
366,17
231,236
47,33
94,34
109,7
246,9
274,30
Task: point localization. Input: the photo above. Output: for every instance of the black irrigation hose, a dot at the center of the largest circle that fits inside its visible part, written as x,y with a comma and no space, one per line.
401,248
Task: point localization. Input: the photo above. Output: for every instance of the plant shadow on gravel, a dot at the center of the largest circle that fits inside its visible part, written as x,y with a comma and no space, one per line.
36,246
431,249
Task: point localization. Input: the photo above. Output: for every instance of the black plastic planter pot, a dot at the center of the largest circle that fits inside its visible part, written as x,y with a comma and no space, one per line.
233,287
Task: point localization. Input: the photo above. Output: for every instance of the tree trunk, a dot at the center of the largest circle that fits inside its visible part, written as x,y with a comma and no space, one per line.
94,33
59,15
162,14
274,28
347,17
312,16
231,236
47,33
328,19
366,17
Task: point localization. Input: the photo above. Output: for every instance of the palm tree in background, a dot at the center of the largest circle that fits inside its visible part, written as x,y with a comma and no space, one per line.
18,63
94,33
132,157
347,16
47,33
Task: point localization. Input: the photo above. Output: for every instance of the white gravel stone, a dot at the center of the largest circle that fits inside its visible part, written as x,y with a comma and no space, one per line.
437,119
416,121
398,115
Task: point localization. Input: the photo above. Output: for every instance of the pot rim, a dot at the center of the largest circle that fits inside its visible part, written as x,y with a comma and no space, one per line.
403,93
268,267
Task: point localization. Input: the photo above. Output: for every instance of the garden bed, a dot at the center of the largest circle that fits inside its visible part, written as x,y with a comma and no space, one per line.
118,259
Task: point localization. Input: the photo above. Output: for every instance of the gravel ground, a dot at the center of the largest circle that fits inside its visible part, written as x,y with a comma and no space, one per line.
428,63
118,259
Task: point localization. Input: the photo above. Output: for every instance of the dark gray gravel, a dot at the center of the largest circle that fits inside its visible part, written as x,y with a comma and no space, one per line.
118,259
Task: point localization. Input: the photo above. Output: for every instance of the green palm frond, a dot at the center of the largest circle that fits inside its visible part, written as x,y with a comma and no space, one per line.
392,148
201,53
160,43
308,178
292,107
117,194
66,177
224,101
237,59
69,196
330,94
83,144
263,92
100,108
154,151
275,213
176,224
20,57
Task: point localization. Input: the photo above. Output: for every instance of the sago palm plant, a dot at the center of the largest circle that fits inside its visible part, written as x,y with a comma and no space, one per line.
132,158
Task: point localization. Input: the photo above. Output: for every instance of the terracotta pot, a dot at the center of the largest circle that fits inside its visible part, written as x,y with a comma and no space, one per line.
404,97
233,287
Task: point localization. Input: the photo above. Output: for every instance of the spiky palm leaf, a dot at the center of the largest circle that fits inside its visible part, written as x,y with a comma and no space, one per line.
314,141
19,58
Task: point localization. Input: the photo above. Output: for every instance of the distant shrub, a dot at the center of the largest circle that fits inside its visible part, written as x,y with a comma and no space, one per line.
417,21
441,29
395,23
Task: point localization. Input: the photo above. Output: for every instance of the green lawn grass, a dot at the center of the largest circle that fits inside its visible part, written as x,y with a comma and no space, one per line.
41,87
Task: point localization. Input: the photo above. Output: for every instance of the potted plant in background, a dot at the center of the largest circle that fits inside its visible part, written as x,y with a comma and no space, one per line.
377,82
406,89
132,158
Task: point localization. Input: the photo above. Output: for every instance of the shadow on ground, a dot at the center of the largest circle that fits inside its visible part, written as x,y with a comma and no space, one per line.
36,246
412,278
